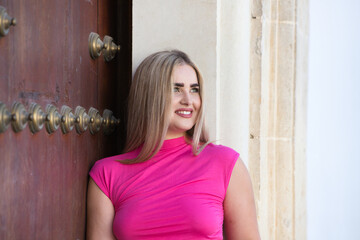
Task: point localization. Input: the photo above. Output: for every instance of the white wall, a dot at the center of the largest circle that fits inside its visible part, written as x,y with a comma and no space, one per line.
233,74
333,151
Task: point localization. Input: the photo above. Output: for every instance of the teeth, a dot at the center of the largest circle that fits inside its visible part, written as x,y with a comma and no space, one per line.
183,112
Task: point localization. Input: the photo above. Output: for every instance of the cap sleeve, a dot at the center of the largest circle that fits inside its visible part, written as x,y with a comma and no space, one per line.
101,176
233,156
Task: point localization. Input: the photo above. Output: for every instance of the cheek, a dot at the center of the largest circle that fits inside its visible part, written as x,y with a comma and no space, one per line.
175,99
173,102
197,102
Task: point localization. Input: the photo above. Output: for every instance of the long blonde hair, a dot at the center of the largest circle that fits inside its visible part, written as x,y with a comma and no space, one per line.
149,105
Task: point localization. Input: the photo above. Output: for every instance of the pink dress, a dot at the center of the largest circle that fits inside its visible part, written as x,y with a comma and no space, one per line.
174,195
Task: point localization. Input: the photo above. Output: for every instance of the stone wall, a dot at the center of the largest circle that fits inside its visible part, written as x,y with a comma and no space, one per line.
278,87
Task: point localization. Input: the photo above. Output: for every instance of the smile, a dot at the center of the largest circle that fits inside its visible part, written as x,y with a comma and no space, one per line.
184,113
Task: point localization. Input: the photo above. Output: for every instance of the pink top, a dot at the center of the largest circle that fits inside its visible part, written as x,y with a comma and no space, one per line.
174,195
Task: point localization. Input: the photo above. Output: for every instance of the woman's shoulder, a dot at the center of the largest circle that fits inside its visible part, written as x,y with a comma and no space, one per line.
218,149
221,160
108,161
113,162
220,155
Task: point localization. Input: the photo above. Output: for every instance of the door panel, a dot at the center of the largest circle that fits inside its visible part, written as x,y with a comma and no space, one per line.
45,59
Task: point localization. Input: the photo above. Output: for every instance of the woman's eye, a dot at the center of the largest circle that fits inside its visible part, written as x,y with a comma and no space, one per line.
176,89
194,90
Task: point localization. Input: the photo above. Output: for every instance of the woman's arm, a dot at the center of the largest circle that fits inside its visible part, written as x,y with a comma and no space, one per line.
239,206
100,214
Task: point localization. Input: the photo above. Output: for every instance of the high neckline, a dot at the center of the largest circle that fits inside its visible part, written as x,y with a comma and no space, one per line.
174,142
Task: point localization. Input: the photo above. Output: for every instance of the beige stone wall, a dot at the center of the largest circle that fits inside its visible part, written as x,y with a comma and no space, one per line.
278,116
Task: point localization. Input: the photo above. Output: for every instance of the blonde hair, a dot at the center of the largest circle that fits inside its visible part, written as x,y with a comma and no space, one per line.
149,105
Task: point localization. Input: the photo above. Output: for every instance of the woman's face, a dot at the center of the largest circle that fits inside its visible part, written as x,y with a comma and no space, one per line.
185,101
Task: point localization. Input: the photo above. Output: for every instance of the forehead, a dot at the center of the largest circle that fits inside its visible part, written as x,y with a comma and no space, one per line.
184,74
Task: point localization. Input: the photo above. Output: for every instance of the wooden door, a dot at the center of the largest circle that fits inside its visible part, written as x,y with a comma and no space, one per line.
45,59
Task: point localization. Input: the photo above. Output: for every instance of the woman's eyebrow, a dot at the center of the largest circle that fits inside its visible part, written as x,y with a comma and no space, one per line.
182,85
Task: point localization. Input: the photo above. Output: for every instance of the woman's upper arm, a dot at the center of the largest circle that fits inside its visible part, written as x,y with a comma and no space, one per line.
100,214
240,220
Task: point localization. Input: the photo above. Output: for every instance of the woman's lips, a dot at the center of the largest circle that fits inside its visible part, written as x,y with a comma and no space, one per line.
185,113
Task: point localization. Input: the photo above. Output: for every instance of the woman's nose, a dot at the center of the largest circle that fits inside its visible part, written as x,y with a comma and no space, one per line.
186,98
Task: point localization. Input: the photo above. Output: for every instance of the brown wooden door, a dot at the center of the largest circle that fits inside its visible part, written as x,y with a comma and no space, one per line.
45,59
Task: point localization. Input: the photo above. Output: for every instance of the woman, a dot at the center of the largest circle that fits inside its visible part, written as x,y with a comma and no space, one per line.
170,183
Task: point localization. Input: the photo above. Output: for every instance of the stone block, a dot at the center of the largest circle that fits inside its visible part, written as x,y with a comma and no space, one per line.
254,167
284,189
287,10
255,78
285,80
256,9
